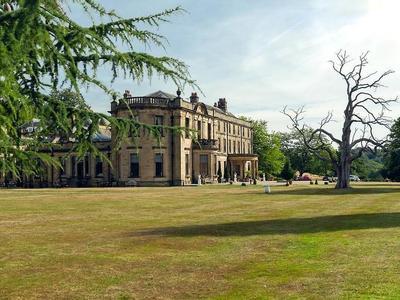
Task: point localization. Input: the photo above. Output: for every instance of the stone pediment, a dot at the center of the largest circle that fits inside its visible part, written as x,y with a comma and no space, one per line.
201,108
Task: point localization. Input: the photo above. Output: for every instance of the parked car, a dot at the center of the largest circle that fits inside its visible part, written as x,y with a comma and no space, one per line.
329,178
354,178
304,178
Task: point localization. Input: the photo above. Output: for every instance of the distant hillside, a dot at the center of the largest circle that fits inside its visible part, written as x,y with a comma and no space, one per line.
369,166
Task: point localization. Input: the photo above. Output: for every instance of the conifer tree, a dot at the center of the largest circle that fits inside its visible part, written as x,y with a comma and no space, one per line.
43,50
219,173
287,171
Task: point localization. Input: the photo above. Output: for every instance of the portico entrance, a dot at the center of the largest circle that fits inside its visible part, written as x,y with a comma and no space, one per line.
243,165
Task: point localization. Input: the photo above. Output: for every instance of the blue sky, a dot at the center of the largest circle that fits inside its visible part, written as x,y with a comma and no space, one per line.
262,55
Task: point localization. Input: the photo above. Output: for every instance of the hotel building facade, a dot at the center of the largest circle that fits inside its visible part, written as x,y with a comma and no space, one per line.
221,143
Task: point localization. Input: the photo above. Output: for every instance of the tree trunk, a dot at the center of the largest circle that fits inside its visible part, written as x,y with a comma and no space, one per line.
344,163
343,174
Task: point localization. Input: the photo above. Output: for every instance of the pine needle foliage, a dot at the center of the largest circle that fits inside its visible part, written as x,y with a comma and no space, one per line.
43,50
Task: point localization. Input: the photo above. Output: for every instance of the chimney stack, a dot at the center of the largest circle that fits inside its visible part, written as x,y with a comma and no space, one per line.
114,103
194,98
127,94
222,104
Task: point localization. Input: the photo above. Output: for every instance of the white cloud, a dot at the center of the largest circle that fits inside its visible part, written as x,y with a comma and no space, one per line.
262,55
291,67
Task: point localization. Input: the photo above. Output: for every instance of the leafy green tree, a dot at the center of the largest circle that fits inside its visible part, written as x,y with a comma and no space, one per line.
392,156
302,159
287,171
43,50
268,148
65,102
369,166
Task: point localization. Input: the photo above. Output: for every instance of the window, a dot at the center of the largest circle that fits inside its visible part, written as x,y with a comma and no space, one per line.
87,170
99,167
159,121
244,147
238,147
199,129
230,146
134,167
209,131
219,144
203,164
187,126
229,128
62,166
187,171
234,147
224,145
234,129
73,163
219,125
159,165
79,169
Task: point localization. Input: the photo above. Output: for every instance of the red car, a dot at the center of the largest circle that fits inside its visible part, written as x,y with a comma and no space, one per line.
305,178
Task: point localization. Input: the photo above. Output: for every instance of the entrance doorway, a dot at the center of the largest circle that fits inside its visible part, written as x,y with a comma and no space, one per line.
79,170
203,165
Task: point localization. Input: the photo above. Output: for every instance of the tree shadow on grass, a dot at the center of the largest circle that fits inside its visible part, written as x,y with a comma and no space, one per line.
330,190
282,226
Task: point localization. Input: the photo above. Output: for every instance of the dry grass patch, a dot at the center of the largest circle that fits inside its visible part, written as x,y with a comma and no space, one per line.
203,242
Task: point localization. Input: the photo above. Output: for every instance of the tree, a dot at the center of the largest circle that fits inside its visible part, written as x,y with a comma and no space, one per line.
392,155
219,173
287,171
70,101
369,166
268,148
301,158
226,173
43,50
360,117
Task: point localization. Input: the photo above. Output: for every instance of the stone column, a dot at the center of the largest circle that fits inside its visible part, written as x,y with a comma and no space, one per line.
256,170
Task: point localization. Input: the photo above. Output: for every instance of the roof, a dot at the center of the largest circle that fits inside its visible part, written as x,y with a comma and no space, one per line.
220,110
165,95
101,137
161,94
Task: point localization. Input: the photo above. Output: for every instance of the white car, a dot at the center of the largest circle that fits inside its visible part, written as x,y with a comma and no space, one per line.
354,178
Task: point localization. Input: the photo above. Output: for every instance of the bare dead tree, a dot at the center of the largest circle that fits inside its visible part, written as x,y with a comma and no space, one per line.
364,111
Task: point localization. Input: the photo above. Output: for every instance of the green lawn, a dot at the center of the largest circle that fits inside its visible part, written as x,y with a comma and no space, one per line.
218,242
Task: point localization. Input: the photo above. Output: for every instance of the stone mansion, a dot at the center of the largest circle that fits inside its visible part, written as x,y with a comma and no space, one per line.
223,144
